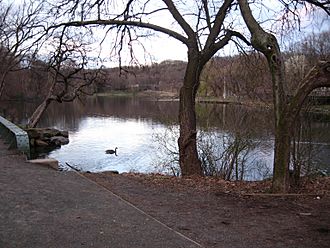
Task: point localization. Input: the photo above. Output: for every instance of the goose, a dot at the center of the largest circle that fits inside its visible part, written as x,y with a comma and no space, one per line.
110,151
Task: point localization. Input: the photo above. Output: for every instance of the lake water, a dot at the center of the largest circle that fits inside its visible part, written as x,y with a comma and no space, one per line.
140,127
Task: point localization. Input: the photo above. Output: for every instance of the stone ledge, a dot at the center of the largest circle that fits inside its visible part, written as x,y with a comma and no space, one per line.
49,162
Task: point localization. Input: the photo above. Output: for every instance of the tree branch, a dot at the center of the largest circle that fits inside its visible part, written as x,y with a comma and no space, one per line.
169,32
318,76
207,14
218,22
208,54
325,5
178,17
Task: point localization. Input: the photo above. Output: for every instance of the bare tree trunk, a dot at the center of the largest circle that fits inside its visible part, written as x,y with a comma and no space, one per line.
189,161
266,43
281,157
35,117
285,111
296,152
2,83
282,124
33,121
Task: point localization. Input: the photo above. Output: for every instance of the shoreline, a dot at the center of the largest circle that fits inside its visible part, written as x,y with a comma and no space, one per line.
164,96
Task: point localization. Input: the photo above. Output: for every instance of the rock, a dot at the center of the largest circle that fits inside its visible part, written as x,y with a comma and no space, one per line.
41,143
50,132
59,140
47,139
64,134
33,133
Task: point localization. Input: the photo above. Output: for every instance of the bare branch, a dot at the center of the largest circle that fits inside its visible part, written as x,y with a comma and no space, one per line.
318,76
124,23
223,42
207,14
178,17
325,4
219,19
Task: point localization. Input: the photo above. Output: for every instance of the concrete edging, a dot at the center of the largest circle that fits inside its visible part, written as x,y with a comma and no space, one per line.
14,136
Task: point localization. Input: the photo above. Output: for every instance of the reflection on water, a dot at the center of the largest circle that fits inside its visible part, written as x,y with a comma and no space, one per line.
94,135
101,123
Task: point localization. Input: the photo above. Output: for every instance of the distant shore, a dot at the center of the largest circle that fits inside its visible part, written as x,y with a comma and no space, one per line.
174,97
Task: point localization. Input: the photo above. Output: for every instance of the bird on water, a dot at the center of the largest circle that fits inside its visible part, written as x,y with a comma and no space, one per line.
112,151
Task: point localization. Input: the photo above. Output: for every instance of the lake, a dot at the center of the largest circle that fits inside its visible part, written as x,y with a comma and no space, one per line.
145,133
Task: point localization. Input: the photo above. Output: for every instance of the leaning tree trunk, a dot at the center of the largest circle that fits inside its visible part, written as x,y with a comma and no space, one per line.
319,76
2,83
35,117
189,161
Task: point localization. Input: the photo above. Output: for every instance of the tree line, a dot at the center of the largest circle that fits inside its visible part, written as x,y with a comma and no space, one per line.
243,76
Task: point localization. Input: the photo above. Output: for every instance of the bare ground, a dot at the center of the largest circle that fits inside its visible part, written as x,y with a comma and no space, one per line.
216,213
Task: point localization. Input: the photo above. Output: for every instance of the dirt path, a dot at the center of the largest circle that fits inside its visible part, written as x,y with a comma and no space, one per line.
44,208
221,214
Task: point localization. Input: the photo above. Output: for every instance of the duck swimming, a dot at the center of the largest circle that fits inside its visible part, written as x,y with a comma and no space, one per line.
110,151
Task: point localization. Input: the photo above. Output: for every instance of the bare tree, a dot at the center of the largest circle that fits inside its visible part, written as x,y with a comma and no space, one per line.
203,31
285,110
68,77
19,28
